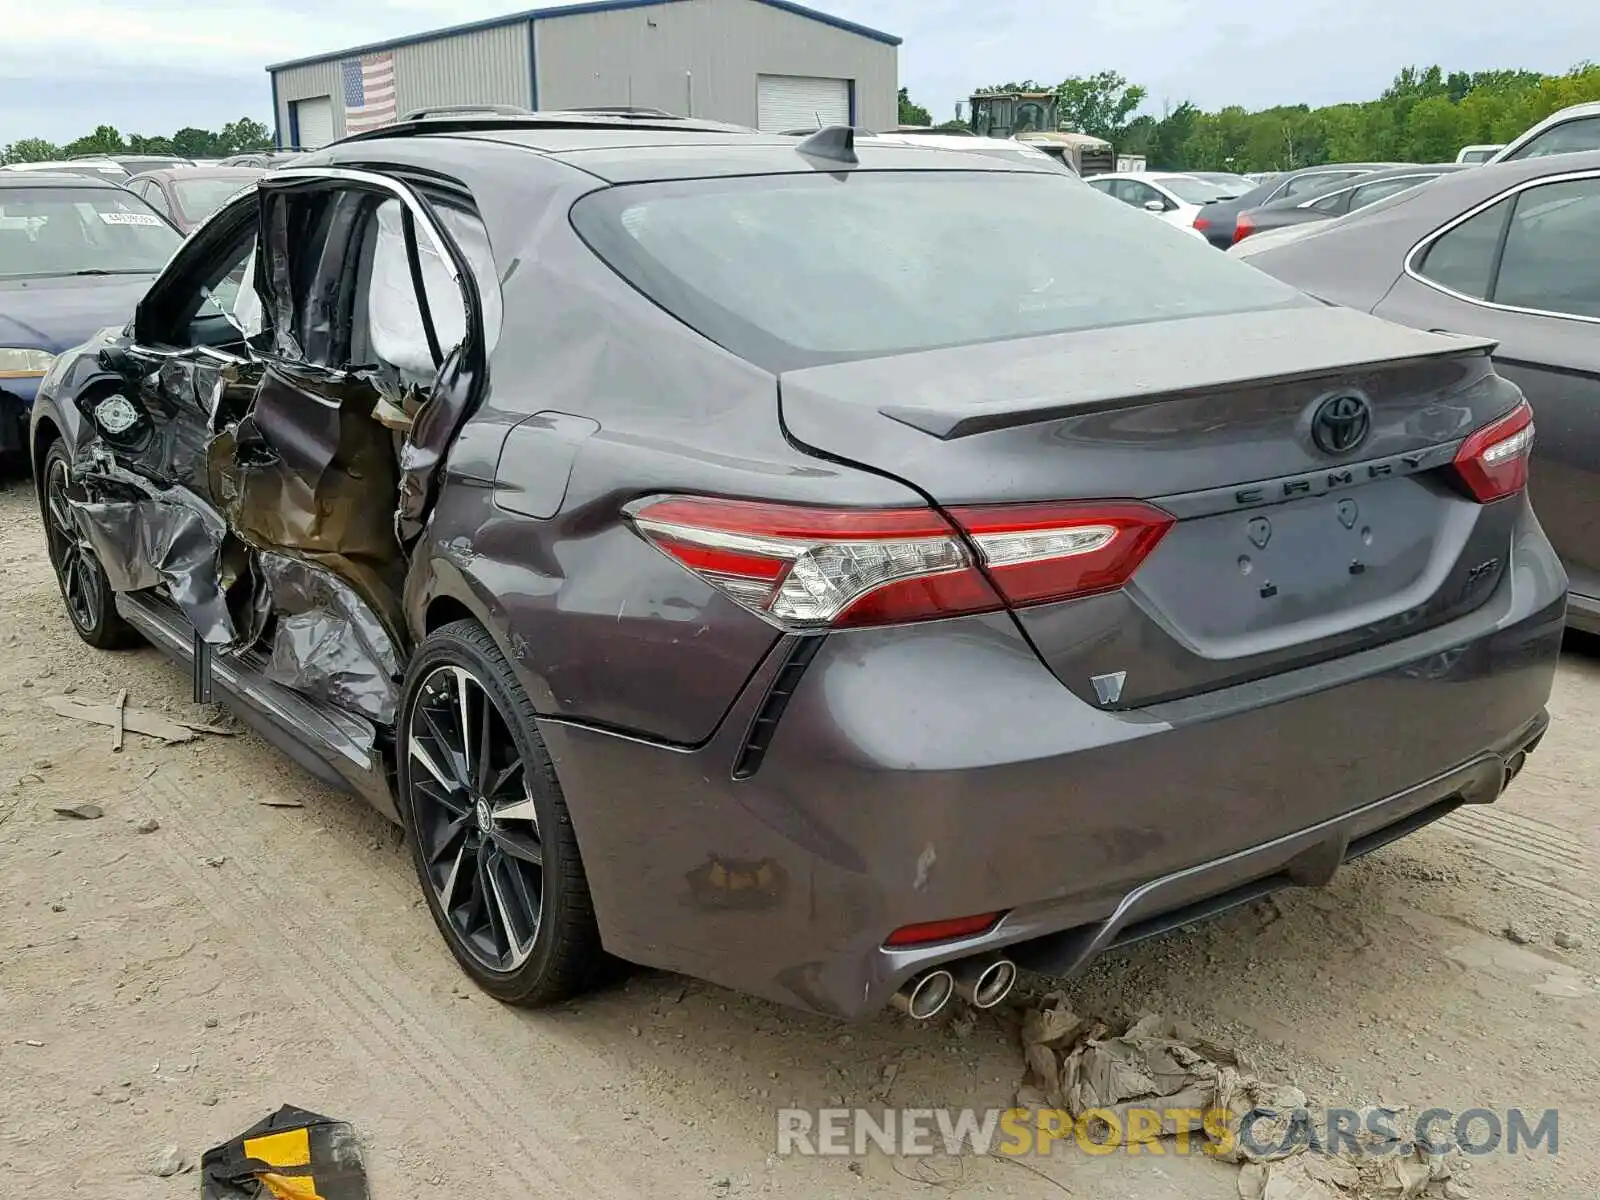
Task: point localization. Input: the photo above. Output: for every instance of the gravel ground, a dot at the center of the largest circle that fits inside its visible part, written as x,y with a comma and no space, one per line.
172,986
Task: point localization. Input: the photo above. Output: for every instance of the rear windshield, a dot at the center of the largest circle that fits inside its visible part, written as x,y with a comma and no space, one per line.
199,198
1199,191
795,270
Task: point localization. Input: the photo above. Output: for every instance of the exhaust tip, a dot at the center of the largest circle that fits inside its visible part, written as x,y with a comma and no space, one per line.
1514,765
983,983
925,996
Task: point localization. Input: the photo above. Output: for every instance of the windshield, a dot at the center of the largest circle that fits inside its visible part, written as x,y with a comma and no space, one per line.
794,270
1198,191
78,231
199,198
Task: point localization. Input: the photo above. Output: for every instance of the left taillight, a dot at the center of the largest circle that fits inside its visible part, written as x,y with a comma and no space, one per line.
804,567
1493,461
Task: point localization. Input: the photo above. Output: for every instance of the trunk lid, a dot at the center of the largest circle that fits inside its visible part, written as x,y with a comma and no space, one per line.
1286,549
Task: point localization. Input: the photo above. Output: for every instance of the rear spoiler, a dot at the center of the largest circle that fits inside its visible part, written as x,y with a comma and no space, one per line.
1128,365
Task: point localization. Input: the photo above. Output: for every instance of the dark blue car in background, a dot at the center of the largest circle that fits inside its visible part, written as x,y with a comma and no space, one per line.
76,255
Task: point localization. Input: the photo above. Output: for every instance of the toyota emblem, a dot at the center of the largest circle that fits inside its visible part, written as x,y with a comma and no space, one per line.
1341,423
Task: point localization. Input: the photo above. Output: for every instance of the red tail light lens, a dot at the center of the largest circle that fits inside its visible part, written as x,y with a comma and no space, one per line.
1202,222
942,931
1242,228
810,568
1493,461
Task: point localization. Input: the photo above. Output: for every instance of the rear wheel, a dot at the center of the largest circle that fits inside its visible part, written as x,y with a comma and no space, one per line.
491,838
91,604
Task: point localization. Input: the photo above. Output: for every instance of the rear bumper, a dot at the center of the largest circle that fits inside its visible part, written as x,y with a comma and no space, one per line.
941,770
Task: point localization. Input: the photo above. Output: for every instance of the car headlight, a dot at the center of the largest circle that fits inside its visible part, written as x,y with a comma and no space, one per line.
17,363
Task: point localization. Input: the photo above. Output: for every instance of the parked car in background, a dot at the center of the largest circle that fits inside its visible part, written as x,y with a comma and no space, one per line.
1473,155
1508,251
860,626
76,253
1216,221
1233,185
1005,149
95,168
1570,131
136,164
264,159
1351,196
186,196
1173,197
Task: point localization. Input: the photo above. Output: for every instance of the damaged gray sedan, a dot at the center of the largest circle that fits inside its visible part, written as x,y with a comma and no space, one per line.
768,560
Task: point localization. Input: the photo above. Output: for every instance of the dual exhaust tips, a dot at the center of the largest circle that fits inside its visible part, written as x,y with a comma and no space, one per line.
981,982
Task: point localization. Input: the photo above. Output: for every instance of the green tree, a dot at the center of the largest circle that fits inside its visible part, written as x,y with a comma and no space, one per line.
196,143
1435,130
104,140
139,144
1100,105
247,134
911,113
30,150
1172,134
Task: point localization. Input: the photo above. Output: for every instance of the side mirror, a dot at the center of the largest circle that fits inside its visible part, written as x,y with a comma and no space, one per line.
1155,206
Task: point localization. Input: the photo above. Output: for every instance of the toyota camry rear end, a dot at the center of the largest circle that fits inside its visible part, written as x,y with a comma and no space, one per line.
1049,584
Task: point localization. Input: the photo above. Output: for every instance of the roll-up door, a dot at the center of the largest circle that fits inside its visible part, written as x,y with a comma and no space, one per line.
786,102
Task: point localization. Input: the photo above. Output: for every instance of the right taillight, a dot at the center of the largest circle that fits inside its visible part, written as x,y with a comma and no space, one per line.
1493,461
1242,228
804,567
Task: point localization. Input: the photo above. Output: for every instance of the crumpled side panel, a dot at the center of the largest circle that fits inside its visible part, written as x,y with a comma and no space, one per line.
425,448
145,534
329,643
186,401
310,475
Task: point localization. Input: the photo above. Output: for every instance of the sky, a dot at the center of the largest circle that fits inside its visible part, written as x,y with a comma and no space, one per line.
153,66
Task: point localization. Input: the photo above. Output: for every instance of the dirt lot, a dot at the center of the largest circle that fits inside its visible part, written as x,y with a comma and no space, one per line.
174,986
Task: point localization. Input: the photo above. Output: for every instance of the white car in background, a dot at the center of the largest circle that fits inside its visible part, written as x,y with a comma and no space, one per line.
1174,197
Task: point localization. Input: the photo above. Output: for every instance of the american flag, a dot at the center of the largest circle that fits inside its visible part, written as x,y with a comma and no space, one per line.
368,92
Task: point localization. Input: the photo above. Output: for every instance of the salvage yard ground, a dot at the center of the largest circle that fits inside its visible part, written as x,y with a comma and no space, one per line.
267,944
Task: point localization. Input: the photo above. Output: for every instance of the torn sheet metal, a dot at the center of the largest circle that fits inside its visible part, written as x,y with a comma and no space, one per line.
291,1155
328,643
424,451
145,535
310,475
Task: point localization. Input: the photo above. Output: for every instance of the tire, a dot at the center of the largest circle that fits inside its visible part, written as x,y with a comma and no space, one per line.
473,828
89,600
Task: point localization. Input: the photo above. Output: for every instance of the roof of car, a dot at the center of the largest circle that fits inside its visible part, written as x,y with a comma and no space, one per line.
37,179
625,150
1144,176
170,174
1400,219
1573,112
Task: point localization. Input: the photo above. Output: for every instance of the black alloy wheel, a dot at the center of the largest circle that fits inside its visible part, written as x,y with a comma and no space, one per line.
91,604
491,838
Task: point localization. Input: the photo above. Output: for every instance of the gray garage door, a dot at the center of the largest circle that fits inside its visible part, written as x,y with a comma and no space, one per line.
314,120
801,102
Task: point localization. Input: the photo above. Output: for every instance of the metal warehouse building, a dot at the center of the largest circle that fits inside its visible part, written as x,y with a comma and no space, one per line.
772,64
